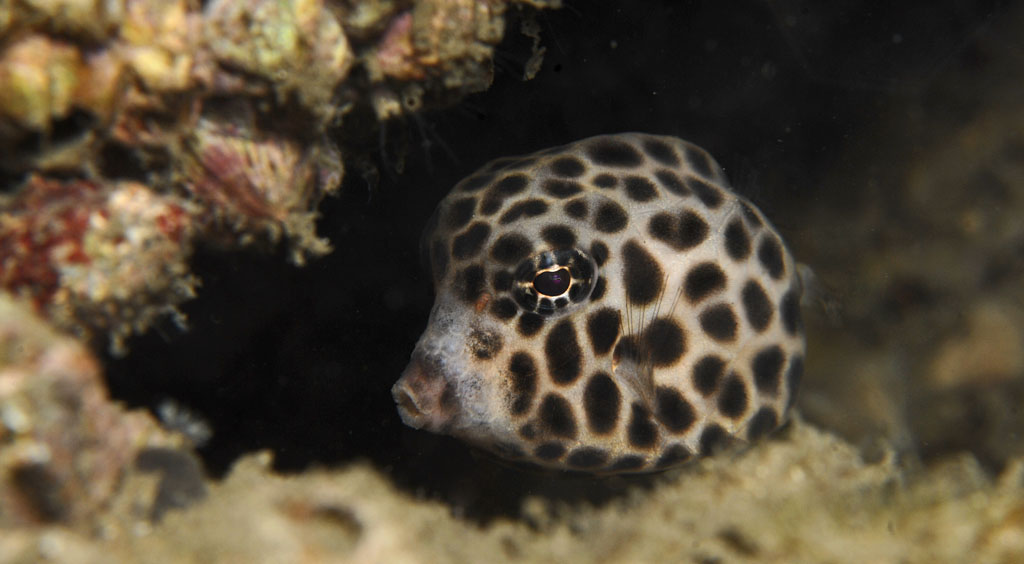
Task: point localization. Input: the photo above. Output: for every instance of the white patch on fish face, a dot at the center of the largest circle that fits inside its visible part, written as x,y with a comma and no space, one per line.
606,306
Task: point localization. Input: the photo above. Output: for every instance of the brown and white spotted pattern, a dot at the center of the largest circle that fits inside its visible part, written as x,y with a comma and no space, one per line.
606,306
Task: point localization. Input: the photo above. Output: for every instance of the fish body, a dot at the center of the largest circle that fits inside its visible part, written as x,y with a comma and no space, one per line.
606,306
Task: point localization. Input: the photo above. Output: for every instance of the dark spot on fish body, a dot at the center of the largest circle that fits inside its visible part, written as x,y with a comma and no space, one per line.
523,371
587,457
468,244
576,209
504,309
707,372
707,193
673,455
769,253
641,431
610,152
470,283
529,324
737,242
640,189
484,344
664,341
732,402
700,160
661,152
605,181
601,400
703,280
599,289
767,369
693,230
719,322
562,188
673,411
627,463
758,307
459,213
556,417
502,281
642,277
523,209
569,167
713,439
762,423
558,236
599,251
671,182
511,184
603,329
610,218
563,354
511,248
790,311
549,451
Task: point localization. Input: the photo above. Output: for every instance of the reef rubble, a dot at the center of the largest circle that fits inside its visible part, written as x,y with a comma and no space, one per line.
807,496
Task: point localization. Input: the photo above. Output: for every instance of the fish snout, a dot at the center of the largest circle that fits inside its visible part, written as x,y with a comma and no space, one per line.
425,398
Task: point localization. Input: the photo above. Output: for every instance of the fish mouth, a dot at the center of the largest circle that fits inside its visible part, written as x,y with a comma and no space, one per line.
425,399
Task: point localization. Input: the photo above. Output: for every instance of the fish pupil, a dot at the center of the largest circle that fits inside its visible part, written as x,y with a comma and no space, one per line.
553,283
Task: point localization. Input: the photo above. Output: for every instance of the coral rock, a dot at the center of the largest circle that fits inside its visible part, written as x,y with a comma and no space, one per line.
40,77
261,183
159,40
440,48
299,47
91,256
63,445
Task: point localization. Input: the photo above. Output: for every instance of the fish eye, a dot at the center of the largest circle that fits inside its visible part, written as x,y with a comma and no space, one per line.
552,283
548,282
